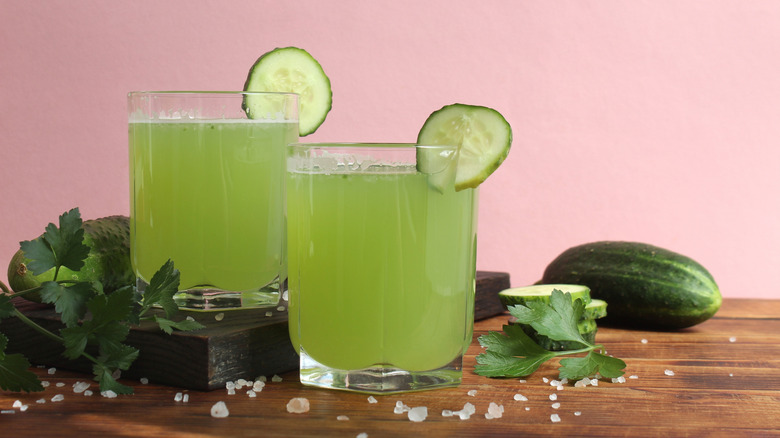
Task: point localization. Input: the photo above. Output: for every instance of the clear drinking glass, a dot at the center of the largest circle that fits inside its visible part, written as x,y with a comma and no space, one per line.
382,261
206,190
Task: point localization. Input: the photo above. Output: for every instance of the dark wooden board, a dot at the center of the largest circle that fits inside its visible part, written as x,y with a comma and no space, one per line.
242,344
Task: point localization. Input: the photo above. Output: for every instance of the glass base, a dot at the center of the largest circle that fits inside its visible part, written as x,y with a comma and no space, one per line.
379,379
210,298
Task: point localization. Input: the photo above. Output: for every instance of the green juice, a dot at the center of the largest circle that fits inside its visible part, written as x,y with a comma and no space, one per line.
207,194
381,269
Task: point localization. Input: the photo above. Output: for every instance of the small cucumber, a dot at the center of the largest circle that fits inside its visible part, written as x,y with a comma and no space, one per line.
108,260
646,286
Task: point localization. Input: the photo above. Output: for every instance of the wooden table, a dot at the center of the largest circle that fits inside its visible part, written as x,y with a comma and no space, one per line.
725,382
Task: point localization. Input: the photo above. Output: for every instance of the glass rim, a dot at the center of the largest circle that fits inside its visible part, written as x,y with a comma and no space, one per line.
368,145
207,92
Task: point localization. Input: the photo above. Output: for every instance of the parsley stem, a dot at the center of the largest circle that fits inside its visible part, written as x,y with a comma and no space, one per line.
37,327
5,288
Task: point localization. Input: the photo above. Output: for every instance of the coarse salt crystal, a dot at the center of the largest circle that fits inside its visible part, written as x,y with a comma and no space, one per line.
285,295
527,408
555,382
372,399
23,408
87,393
553,397
447,413
669,372
52,370
733,339
361,434
545,380
582,383
7,411
219,410
577,413
276,378
144,381
269,314
58,397
555,405
633,376
17,404
251,393
45,383
594,382
520,397
186,398
261,379
108,394
644,341
472,393
178,397
400,407
40,401
80,387
342,418
280,309
494,411
418,414
219,316
60,384
298,405
258,386
555,418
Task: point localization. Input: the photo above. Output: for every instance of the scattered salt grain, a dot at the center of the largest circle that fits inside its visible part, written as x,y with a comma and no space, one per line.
58,397
633,376
582,383
361,434
80,387
555,418
261,379
285,295
669,372
23,408
594,382
269,314
7,411
108,394
280,309
577,413
559,388
52,371
731,374
87,393
342,418
258,386
241,383
400,407
276,378
555,382
298,405
45,383
555,405
230,387
40,401
144,381
553,397
527,408
733,339
371,399
219,410
494,411
178,397
521,381
219,316
472,393
251,394
467,411
60,384
186,398
520,397
545,380
620,379
418,414
447,413
17,404
644,341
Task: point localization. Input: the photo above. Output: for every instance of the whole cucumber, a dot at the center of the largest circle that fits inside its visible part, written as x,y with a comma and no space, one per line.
108,260
645,286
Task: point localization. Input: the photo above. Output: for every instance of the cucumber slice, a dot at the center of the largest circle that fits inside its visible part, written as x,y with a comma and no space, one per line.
595,309
291,70
542,292
482,134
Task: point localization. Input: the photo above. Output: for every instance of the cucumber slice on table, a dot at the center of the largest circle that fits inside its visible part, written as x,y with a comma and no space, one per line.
595,309
291,70
542,292
482,134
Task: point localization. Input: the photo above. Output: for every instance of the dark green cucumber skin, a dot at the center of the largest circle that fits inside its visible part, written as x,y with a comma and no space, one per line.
646,286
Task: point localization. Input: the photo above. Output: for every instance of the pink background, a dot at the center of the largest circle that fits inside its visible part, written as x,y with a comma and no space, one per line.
654,121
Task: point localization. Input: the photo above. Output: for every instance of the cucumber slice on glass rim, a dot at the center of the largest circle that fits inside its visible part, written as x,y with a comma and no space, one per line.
290,70
482,134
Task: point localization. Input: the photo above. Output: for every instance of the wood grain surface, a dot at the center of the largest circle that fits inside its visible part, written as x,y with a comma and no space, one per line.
725,382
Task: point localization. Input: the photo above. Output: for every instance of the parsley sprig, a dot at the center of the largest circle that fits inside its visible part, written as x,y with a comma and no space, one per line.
514,354
96,324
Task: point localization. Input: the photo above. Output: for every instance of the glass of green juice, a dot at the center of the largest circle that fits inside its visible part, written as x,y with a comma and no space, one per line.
206,191
382,262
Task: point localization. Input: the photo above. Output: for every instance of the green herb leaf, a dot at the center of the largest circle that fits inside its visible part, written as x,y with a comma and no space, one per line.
57,247
15,374
162,287
6,306
184,325
69,301
575,368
